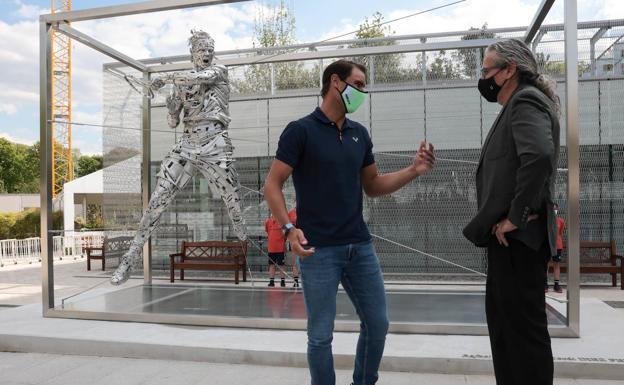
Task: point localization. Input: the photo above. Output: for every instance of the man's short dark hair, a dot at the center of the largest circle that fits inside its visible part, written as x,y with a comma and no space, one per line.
342,68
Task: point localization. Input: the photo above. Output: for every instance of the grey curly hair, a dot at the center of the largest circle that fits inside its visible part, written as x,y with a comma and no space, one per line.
516,51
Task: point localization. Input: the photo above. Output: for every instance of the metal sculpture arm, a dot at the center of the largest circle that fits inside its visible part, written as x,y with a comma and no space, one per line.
174,105
209,76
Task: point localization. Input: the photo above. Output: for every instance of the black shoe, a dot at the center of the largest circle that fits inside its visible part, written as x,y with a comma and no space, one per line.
283,283
557,288
271,283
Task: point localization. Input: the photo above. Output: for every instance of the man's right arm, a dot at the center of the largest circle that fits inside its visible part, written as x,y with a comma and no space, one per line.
290,149
273,194
278,174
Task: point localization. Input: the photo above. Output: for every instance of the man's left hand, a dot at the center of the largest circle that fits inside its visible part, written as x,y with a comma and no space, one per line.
501,228
505,226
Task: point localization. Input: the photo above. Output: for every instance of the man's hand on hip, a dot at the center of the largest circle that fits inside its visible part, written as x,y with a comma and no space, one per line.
505,226
297,242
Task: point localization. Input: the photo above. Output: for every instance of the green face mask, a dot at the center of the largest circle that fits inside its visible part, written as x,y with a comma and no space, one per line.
352,98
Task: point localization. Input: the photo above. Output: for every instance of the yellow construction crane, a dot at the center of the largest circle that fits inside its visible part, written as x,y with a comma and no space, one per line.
62,164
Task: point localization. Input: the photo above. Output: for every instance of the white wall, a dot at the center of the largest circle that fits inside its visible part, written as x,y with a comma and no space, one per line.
11,203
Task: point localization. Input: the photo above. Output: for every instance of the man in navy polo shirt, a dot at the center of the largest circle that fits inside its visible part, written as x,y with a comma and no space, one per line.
331,161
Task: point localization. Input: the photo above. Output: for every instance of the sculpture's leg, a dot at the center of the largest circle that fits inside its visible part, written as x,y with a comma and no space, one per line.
175,172
218,168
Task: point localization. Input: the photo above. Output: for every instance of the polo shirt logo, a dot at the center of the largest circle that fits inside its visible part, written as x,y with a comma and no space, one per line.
355,139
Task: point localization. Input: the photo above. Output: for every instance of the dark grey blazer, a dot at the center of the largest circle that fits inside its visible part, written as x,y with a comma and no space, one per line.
516,172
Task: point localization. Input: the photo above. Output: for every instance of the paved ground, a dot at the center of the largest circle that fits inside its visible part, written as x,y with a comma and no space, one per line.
46,369
20,285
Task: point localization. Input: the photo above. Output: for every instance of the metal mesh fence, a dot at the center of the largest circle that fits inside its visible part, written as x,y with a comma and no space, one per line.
414,96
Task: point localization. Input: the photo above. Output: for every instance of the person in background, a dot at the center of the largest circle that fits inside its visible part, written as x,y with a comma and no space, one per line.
276,249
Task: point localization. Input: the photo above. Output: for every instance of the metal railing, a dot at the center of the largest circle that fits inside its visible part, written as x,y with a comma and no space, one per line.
22,251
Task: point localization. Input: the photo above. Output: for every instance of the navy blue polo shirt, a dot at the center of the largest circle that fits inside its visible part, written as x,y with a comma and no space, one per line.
326,175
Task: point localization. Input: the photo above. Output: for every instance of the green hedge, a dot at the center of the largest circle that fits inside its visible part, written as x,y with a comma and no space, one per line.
25,224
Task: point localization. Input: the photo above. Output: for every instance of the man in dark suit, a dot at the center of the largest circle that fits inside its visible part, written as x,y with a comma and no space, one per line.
515,218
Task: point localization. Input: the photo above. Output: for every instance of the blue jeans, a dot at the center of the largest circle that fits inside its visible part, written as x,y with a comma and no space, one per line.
356,266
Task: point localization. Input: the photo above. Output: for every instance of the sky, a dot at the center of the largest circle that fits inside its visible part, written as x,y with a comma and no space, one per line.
165,33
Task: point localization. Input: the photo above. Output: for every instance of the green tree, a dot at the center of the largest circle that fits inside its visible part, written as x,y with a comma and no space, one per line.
94,217
387,68
272,28
26,224
86,165
19,167
11,164
31,170
556,68
443,67
7,220
470,57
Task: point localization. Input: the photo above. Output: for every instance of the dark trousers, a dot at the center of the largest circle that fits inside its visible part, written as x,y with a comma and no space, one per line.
516,314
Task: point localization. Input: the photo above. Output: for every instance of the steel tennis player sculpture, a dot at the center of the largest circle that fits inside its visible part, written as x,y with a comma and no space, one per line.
202,96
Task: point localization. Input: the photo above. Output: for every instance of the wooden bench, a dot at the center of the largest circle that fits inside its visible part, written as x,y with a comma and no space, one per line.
600,257
210,255
111,248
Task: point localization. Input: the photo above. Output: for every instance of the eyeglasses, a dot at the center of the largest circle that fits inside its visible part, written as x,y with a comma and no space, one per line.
484,71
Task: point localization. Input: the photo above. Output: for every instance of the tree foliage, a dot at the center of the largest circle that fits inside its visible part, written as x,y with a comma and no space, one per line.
469,59
26,224
556,68
443,67
85,165
274,26
20,167
94,218
385,68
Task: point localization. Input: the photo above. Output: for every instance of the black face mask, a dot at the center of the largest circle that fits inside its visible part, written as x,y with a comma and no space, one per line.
489,89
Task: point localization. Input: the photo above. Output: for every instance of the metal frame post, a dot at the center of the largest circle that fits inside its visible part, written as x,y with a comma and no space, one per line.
537,40
538,19
46,142
131,9
423,63
321,69
572,142
99,46
146,176
272,75
371,70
